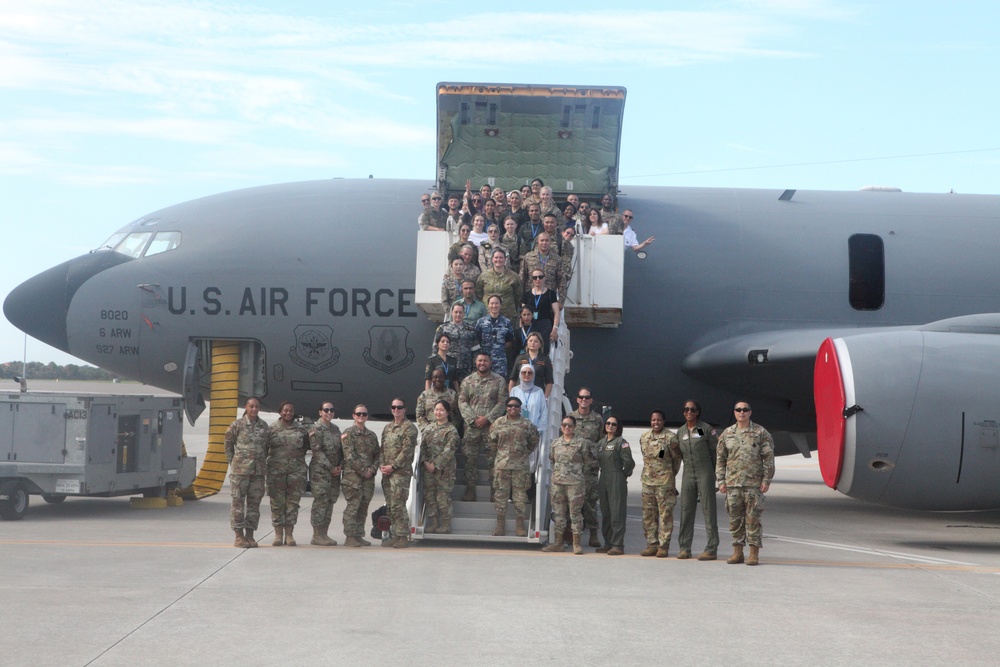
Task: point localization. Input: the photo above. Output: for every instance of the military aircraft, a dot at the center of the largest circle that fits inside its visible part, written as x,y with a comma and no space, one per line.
868,317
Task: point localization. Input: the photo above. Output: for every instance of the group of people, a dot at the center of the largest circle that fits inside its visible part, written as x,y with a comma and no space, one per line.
345,461
590,463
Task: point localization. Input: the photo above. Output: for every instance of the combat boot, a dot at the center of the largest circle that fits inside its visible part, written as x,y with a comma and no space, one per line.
470,493
279,536
364,542
352,542
443,528
289,540
649,551
707,555
320,538
557,545
577,546
615,551
248,536
753,558
737,556
430,526
662,552
602,550
241,542
401,543
519,529
594,540
501,528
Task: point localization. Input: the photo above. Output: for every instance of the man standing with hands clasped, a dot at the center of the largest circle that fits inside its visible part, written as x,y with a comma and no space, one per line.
743,471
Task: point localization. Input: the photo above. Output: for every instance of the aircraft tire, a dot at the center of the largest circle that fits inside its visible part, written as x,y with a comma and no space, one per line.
53,498
16,505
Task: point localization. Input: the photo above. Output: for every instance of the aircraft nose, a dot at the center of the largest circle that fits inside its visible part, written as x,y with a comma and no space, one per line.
39,305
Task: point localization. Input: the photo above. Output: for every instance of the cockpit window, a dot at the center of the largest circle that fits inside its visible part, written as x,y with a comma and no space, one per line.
115,239
134,244
163,242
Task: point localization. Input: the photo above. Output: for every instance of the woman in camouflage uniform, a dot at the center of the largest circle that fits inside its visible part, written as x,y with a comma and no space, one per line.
568,455
440,442
286,473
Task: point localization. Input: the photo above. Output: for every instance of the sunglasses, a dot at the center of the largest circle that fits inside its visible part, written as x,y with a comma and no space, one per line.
398,407
627,217
360,414
538,277
513,405
690,409
611,424
584,398
568,425
327,409
741,410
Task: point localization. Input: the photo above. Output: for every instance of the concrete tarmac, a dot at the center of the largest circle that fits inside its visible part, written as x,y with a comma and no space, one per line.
93,582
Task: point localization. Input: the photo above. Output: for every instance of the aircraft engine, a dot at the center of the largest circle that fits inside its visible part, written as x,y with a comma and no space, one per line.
911,418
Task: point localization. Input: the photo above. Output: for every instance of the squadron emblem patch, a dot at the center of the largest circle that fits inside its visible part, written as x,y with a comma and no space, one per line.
314,348
387,350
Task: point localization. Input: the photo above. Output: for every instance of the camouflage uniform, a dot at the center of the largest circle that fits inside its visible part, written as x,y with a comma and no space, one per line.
507,285
327,454
426,401
451,290
286,471
614,219
590,428
615,458
473,311
698,454
399,441
567,491
513,247
246,447
493,335
513,440
551,265
361,453
433,217
661,459
463,340
486,249
745,461
478,397
439,444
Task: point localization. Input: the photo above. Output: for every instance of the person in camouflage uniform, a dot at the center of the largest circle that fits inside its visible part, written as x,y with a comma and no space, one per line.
361,454
437,456
434,219
399,442
611,216
568,455
428,397
481,402
246,447
589,427
548,262
324,474
463,339
502,282
743,471
287,443
661,459
472,306
513,438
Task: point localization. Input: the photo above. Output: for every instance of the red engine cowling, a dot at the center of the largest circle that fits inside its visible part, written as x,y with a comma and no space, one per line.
911,418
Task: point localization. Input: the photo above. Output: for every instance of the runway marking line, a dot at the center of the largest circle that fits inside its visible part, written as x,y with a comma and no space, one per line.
937,567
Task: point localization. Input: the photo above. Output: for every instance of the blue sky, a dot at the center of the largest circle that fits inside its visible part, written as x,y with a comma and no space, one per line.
109,110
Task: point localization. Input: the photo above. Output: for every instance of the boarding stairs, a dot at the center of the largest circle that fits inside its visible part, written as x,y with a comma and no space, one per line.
594,299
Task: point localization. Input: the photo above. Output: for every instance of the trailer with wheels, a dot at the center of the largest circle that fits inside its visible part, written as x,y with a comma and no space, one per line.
55,445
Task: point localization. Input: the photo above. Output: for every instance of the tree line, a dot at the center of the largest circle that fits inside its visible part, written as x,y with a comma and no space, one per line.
52,371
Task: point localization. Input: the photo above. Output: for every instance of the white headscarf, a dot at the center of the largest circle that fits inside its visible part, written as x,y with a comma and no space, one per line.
526,385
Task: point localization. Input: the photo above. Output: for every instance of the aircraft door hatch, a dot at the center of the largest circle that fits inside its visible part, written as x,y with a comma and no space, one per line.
194,400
